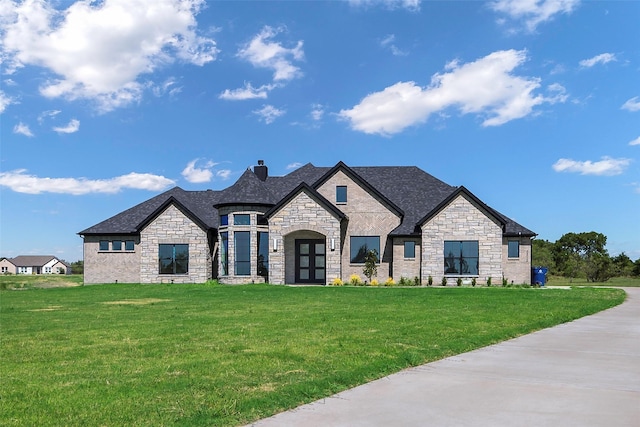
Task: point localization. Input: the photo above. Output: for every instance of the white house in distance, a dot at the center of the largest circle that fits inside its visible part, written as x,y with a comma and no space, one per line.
34,264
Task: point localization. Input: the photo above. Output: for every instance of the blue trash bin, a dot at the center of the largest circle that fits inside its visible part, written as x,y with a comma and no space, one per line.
539,276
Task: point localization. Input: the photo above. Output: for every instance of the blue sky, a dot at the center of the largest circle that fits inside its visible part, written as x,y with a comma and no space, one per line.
533,105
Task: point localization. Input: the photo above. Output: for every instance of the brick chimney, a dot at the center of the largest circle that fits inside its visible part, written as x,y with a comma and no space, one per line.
261,171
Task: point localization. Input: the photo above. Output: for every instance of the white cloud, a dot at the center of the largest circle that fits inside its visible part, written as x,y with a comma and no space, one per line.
635,141
606,166
98,50
388,43
5,101
72,127
48,114
632,104
486,87
198,175
603,58
317,112
412,5
21,182
223,173
167,87
261,52
22,129
269,113
247,92
294,165
534,12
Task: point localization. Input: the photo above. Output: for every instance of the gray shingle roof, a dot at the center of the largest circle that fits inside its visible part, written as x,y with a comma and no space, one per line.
247,190
31,260
412,192
199,203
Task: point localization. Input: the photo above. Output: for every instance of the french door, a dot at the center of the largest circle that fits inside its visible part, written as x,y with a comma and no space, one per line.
310,261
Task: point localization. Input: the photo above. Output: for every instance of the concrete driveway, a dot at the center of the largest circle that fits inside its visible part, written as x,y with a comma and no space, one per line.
582,373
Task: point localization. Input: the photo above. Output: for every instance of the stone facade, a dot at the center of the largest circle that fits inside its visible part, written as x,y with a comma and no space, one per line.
409,268
111,266
517,270
172,226
302,218
462,219
367,216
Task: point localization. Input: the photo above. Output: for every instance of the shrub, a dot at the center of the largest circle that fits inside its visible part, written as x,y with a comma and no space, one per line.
474,282
374,282
390,282
370,264
444,281
459,281
404,281
505,282
355,280
488,281
337,282
416,281
430,281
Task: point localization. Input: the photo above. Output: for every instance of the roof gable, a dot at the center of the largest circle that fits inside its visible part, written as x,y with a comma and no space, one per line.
163,207
462,191
341,167
311,192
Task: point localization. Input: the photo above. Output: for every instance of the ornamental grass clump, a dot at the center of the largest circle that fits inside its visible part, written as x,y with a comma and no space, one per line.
390,282
355,280
337,282
374,282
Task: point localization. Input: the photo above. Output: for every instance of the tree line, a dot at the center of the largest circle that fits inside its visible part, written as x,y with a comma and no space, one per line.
583,255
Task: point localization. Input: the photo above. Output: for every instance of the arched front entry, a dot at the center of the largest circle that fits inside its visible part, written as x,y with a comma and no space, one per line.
306,257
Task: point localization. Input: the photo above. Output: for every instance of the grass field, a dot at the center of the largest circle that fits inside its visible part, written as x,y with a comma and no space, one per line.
226,355
631,282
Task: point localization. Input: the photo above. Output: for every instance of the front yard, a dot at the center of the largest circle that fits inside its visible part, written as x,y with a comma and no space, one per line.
227,355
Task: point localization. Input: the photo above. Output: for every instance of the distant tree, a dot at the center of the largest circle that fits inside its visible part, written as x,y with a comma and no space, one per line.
542,255
584,255
636,268
370,264
77,267
622,265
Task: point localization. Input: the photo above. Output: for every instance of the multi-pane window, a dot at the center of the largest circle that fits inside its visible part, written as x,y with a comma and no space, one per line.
461,257
514,249
341,194
263,254
409,249
174,259
129,245
104,245
360,245
242,219
116,245
224,220
224,251
242,243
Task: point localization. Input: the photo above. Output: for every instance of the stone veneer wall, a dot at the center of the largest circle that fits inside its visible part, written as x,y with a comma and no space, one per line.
253,229
174,227
462,220
368,216
301,214
111,266
518,269
405,267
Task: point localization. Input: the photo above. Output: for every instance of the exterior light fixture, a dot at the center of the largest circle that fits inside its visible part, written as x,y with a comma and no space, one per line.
275,245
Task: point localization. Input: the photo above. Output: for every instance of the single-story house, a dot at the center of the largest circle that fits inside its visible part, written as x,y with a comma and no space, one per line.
34,264
310,226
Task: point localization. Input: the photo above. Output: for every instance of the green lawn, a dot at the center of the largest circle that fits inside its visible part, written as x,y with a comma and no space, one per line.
631,282
226,355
